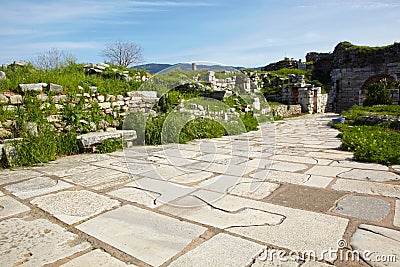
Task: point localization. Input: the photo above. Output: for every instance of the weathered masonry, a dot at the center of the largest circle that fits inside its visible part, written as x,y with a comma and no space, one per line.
353,68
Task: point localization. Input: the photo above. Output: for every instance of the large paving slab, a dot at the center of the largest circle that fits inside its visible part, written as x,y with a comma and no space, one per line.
36,187
298,159
37,242
147,236
284,227
64,167
288,166
359,165
370,175
361,207
136,195
12,176
100,179
10,207
96,258
252,188
371,188
377,245
327,170
220,250
74,206
168,191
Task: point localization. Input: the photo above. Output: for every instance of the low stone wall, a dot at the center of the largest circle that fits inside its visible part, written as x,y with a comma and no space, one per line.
114,105
286,110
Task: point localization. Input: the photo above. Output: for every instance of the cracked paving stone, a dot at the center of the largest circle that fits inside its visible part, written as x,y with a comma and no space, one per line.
74,206
136,195
191,177
145,235
10,207
300,230
305,198
36,242
252,188
12,176
225,218
359,165
36,187
370,188
169,191
281,177
99,179
376,242
234,170
220,250
96,258
365,208
288,166
370,175
327,170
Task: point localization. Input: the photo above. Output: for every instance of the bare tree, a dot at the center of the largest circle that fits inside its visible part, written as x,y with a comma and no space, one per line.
123,53
53,59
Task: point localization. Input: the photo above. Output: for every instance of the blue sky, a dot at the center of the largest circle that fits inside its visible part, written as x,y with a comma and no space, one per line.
241,33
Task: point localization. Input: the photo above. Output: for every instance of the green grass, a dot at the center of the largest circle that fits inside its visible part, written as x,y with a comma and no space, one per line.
364,49
377,143
69,77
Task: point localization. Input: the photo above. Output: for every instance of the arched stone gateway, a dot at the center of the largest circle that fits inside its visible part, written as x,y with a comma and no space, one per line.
362,94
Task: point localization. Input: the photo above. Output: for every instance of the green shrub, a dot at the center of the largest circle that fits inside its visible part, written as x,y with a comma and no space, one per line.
372,144
109,145
378,94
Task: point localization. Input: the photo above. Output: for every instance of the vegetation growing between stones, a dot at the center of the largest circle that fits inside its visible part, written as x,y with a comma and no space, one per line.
371,141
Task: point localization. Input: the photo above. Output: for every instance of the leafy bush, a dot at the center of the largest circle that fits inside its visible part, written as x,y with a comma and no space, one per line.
372,144
109,145
378,94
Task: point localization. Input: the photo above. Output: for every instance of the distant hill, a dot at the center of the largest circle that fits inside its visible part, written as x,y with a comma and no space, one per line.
152,67
157,67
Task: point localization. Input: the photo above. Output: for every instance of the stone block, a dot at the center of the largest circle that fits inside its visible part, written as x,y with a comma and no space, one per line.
91,139
55,88
364,208
378,242
10,207
96,258
221,250
37,87
74,206
36,186
127,229
16,99
37,242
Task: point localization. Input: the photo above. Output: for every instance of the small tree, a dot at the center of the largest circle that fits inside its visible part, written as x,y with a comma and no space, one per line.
53,59
123,53
378,94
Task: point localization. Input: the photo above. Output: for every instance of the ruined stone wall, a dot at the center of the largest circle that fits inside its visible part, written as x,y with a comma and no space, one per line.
350,84
352,68
286,110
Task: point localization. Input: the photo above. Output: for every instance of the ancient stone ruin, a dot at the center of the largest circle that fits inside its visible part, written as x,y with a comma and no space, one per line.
353,68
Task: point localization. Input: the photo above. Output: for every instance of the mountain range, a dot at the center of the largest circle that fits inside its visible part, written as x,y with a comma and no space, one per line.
157,67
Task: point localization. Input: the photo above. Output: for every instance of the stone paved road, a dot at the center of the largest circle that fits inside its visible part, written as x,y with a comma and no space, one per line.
230,201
